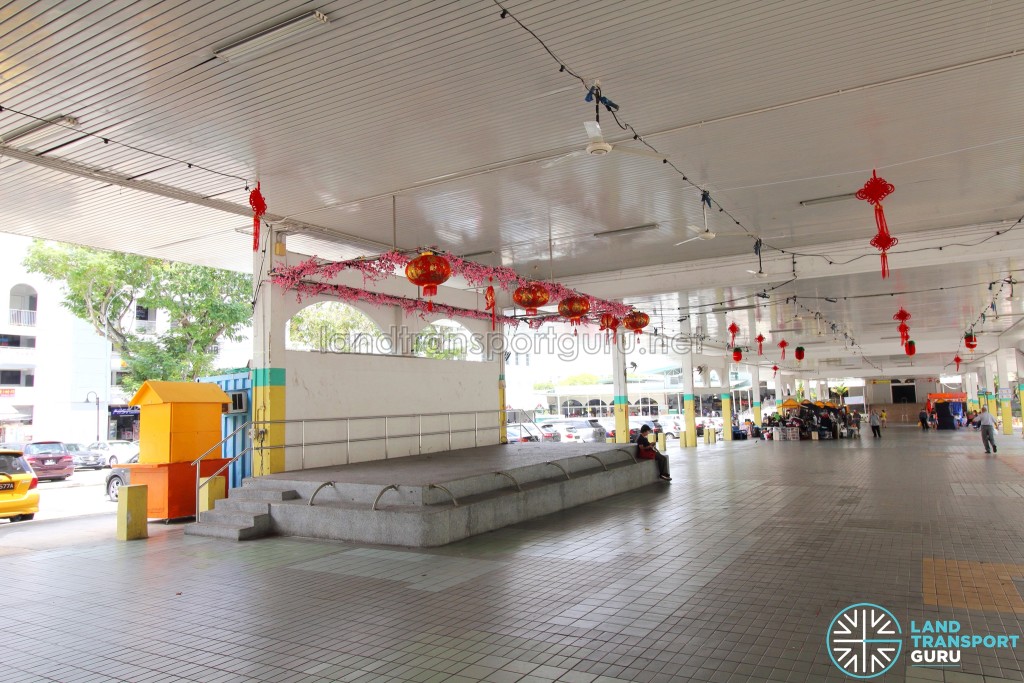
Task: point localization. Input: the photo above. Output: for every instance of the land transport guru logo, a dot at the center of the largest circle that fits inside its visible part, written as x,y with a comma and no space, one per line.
865,640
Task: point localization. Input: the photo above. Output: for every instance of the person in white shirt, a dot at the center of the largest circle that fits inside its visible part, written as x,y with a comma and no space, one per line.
988,429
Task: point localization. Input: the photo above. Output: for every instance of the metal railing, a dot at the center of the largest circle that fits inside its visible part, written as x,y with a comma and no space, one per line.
25,318
259,430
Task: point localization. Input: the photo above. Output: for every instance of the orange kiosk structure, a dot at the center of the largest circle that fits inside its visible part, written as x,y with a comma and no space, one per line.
179,421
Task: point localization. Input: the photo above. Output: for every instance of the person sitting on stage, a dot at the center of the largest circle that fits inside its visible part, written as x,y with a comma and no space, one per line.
646,451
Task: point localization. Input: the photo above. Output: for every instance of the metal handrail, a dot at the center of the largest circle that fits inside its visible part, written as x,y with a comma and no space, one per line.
318,490
559,467
438,486
506,474
389,487
601,462
200,483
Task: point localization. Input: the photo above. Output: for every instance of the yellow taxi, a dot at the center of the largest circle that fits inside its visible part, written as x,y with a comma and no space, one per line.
19,495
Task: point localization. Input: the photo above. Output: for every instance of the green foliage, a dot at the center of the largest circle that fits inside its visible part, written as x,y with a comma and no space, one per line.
332,326
204,305
543,386
581,379
441,342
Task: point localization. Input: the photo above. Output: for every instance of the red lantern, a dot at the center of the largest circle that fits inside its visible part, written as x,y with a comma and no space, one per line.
958,360
799,353
911,348
531,297
428,271
737,354
259,208
760,341
636,321
970,341
775,371
734,329
574,308
782,345
874,191
609,323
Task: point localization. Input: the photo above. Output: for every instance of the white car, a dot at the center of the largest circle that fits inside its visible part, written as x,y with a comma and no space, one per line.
114,452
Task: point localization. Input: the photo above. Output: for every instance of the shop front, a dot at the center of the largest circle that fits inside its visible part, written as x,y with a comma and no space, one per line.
123,423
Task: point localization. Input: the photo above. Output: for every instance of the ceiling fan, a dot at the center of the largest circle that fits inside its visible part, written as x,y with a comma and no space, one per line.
598,147
708,234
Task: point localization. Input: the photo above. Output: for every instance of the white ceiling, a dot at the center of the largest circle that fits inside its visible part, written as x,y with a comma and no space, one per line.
440,115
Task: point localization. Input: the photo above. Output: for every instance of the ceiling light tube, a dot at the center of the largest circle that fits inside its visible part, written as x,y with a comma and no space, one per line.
32,135
624,231
828,200
478,253
268,37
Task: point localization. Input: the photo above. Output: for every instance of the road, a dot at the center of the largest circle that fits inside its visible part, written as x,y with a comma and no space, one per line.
84,493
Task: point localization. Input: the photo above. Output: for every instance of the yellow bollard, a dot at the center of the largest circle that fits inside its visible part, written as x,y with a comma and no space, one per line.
707,435
661,442
131,512
714,434
212,491
609,439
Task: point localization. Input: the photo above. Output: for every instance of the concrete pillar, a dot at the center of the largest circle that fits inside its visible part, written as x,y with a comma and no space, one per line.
689,439
970,384
268,363
726,399
502,413
621,398
1003,397
755,369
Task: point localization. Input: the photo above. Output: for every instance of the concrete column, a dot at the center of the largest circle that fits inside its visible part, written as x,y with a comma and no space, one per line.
755,369
689,439
970,385
621,398
1003,396
268,362
991,378
1019,361
726,399
502,413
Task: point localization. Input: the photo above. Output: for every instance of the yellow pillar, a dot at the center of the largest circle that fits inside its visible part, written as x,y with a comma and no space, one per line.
726,417
131,512
268,397
690,419
621,419
502,413
1006,411
993,404
214,489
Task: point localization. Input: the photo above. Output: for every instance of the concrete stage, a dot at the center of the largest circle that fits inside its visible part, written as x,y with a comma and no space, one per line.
430,499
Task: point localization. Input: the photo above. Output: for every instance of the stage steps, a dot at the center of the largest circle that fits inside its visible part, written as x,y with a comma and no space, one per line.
476,490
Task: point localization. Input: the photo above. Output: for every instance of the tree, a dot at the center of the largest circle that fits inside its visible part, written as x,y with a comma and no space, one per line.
442,342
842,391
581,379
103,288
331,326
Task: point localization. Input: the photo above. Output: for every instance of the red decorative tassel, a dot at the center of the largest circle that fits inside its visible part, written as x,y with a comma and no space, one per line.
904,331
782,345
958,360
874,191
775,371
734,329
760,341
259,208
491,305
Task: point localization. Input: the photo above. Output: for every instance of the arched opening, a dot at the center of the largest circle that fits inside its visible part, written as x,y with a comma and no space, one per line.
647,406
447,340
572,408
335,327
597,408
23,301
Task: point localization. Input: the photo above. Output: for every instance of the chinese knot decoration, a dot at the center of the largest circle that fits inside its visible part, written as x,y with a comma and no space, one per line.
259,208
734,329
428,271
903,316
737,354
574,308
799,353
531,297
958,360
911,347
760,341
636,321
874,191
491,305
782,345
775,371
970,341
609,323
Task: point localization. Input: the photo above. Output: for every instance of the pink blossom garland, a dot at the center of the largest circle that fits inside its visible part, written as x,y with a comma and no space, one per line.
306,289
475,274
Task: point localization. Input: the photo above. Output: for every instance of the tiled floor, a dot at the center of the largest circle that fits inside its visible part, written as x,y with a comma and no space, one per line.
733,572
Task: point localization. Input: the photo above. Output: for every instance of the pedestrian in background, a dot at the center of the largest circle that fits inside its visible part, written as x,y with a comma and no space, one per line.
876,425
988,429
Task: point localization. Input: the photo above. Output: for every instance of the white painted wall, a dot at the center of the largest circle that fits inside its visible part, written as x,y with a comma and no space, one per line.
338,385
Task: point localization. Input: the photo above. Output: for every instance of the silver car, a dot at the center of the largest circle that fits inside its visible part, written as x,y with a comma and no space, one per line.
84,458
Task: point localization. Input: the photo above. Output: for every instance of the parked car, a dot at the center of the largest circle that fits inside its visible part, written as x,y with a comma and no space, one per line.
566,433
588,429
549,435
19,496
118,477
635,423
115,451
48,459
84,458
520,433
